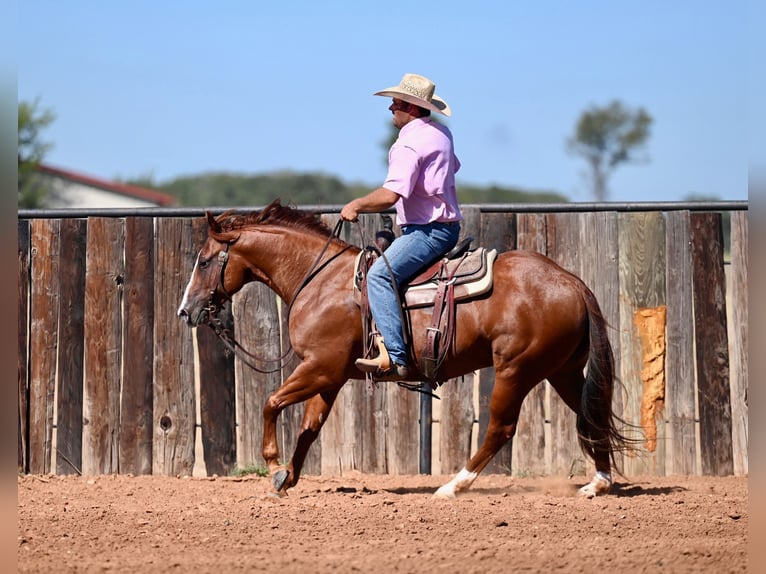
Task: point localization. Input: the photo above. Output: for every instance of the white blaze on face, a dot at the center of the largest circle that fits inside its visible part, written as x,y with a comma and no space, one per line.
185,299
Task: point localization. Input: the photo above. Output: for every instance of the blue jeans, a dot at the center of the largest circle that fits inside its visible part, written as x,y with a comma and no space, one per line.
415,249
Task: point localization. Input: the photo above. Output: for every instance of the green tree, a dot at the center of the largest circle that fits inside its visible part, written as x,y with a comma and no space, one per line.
607,137
31,151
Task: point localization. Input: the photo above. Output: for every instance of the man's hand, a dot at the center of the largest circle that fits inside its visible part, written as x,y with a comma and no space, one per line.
349,212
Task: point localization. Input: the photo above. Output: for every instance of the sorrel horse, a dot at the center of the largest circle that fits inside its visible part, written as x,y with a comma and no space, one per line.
538,322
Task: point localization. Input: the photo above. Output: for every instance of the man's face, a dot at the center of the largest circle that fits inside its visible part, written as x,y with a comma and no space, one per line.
401,111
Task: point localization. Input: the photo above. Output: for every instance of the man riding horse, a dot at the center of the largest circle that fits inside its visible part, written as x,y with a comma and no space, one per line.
421,184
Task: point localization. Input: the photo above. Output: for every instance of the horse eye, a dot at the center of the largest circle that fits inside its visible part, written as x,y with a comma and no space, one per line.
203,263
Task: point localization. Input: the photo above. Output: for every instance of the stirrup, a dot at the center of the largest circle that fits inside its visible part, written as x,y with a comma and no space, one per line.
382,361
394,373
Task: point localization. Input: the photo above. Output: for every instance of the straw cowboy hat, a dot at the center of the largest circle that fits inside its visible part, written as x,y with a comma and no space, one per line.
418,90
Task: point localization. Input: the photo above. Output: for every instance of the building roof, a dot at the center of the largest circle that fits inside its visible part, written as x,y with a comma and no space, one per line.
134,192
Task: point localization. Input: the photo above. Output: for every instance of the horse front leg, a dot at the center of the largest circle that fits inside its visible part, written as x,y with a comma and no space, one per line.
299,387
314,417
270,447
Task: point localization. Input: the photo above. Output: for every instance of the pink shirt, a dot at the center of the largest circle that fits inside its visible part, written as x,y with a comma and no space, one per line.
421,170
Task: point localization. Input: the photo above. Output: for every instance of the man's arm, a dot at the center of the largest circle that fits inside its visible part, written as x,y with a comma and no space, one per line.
375,201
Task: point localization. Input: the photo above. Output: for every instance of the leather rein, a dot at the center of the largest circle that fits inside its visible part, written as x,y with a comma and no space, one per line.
226,336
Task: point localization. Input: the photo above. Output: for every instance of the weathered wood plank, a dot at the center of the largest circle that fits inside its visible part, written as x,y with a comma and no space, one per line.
529,443
402,432
256,326
712,346
371,425
341,449
104,276
174,413
497,231
71,348
564,248
360,430
136,430
22,354
738,340
217,400
642,303
600,270
291,418
43,331
679,365
456,417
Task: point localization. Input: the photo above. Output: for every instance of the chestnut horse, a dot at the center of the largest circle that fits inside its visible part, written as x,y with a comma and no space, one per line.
538,322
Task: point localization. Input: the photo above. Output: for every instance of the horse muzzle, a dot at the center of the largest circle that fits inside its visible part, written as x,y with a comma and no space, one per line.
190,318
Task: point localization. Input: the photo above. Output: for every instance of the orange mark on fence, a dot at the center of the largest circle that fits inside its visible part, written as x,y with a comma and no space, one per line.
650,324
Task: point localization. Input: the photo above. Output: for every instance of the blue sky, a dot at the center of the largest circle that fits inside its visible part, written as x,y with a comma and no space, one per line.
168,89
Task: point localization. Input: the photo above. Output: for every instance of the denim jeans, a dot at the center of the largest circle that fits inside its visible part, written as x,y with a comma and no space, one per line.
415,249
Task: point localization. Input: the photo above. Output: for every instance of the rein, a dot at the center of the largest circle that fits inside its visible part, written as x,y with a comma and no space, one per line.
227,337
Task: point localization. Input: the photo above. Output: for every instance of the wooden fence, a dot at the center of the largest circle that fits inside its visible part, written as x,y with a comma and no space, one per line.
111,381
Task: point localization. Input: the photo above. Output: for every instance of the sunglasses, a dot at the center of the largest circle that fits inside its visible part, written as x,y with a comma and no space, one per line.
399,105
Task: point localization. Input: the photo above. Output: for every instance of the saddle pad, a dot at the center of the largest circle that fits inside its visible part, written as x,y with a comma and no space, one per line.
423,295
467,285
461,269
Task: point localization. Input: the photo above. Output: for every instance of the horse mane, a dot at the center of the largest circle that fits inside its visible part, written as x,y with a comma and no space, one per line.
274,214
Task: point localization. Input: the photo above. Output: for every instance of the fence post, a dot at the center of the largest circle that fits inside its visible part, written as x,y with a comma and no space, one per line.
497,231
256,327
136,430
565,249
174,413
738,340
22,355
529,445
104,277
456,412
71,348
713,392
43,333
641,337
679,364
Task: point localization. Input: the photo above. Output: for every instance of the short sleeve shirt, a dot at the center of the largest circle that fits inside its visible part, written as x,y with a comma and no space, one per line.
421,171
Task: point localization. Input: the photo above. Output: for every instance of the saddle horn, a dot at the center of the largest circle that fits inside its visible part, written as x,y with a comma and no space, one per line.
385,236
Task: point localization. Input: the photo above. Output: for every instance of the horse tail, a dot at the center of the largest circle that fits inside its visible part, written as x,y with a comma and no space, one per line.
596,421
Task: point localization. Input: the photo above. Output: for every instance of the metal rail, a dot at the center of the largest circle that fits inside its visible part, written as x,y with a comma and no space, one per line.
634,206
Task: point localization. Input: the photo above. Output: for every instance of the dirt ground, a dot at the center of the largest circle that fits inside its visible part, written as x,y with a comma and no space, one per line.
372,523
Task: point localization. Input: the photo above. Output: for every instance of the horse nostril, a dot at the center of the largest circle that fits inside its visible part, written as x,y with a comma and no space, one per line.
183,314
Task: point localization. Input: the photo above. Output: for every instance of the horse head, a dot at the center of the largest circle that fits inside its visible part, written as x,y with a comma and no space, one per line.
218,273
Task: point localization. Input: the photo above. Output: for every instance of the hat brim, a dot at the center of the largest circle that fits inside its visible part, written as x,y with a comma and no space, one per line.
435,105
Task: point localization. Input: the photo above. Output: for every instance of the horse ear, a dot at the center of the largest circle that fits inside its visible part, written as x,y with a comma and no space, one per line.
212,223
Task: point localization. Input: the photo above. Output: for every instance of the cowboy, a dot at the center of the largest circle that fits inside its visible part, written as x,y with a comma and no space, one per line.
421,185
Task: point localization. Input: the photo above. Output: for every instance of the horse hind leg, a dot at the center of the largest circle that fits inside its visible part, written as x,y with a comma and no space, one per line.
504,409
569,387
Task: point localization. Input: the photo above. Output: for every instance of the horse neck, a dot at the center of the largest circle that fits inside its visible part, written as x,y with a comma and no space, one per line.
282,257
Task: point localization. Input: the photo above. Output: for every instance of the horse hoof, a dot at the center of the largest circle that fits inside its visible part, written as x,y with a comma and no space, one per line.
444,494
596,487
279,479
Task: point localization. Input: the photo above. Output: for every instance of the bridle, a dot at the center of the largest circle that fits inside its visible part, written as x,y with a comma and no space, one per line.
226,336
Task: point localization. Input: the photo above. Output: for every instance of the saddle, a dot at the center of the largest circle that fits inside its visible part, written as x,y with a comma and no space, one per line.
461,275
